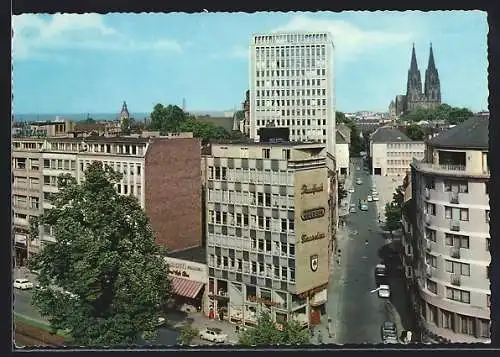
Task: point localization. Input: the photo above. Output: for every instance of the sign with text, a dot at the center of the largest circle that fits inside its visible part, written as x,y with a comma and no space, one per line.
309,238
312,213
311,189
187,270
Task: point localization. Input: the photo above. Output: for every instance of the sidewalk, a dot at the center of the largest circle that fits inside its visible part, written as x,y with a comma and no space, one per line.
23,272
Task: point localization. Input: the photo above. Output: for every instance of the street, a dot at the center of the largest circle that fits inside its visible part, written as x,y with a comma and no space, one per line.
356,312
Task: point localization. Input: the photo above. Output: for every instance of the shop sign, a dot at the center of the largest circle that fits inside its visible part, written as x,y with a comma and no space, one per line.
313,213
311,189
309,238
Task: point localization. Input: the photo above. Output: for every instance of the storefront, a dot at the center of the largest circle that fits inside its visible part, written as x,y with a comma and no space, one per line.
188,281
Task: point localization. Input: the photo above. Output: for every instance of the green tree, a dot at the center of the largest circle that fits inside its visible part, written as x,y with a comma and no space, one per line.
267,333
186,335
392,217
398,196
452,115
341,193
125,126
205,131
104,280
167,119
415,132
340,117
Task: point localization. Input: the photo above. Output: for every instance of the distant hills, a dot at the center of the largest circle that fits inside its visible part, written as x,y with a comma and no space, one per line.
107,116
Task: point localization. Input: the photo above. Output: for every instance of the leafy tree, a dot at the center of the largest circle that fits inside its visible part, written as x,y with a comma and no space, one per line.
415,132
125,126
204,131
341,118
451,115
267,333
342,193
186,335
167,119
104,280
398,196
392,217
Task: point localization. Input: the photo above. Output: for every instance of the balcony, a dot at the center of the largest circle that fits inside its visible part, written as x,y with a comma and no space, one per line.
448,169
427,193
454,198
428,271
428,246
455,252
427,219
455,279
455,225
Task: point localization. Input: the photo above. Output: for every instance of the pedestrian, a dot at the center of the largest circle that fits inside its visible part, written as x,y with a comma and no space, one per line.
237,328
366,242
330,328
320,338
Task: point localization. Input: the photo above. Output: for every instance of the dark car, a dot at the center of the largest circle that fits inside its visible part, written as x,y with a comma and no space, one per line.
389,332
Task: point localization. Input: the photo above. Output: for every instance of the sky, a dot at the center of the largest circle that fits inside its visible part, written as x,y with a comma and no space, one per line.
91,63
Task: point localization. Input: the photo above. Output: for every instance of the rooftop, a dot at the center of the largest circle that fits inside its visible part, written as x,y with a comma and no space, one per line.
196,255
250,142
387,134
339,139
471,134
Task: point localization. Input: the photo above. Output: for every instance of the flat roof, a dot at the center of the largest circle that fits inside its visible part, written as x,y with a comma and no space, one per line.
196,255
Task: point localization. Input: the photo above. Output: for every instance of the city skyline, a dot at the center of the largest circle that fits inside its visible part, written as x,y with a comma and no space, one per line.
91,62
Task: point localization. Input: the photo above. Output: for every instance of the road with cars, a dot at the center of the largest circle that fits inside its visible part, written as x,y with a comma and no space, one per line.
361,312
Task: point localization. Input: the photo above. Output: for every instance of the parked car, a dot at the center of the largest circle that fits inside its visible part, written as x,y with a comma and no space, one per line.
374,192
369,198
352,208
350,189
213,335
380,271
363,206
375,197
23,284
384,291
389,332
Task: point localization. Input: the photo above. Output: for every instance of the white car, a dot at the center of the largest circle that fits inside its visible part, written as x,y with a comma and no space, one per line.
384,291
358,181
23,284
351,190
375,198
374,192
213,335
369,198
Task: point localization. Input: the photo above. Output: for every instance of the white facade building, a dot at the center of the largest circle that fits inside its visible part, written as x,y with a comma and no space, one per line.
341,155
291,85
391,152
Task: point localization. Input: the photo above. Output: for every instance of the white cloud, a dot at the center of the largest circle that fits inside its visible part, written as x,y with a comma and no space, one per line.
348,39
35,36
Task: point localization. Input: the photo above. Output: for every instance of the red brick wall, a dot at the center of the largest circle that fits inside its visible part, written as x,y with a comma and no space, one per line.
173,192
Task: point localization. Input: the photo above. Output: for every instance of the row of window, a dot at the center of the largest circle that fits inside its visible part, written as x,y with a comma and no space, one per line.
288,122
273,103
246,198
299,92
458,186
399,162
59,164
405,153
451,266
254,268
31,202
27,182
265,176
251,221
20,164
403,146
267,65
288,83
458,323
286,51
124,167
454,240
453,213
125,149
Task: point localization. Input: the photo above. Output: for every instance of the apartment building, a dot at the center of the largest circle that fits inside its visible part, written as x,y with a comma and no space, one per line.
26,194
162,172
391,151
268,240
291,85
450,250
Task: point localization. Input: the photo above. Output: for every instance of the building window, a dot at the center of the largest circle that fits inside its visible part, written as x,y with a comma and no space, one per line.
433,314
431,286
488,244
292,275
266,153
487,188
283,224
456,240
431,260
456,213
291,249
254,268
457,268
284,273
484,328
430,208
488,301
261,245
430,234
286,154
487,216
456,186
458,295
211,172
430,182
217,173
467,325
224,173
447,320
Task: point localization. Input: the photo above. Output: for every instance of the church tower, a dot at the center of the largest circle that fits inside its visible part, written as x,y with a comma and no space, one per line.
414,84
432,87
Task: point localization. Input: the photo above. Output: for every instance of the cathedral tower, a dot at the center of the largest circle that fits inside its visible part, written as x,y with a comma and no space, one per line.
414,84
432,87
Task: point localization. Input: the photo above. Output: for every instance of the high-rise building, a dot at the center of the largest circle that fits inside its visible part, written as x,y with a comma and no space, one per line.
291,85
267,230
447,234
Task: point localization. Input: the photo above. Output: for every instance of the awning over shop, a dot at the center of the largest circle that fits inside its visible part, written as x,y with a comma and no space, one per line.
319,298
185,287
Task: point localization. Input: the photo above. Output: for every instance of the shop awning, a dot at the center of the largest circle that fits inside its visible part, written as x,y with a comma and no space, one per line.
185,287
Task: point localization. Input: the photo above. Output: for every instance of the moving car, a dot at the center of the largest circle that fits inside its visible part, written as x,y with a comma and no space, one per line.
213,334
363,206
380,271
358,181
369,198
352,208
23,284
389,332
384,291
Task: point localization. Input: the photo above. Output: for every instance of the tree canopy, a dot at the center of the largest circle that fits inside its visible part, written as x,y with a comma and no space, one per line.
173,119
103,279
415,132
452,115
266,332
392,217
357,143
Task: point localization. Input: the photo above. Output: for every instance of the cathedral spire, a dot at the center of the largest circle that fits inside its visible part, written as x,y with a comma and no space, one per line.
431,64
413,65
